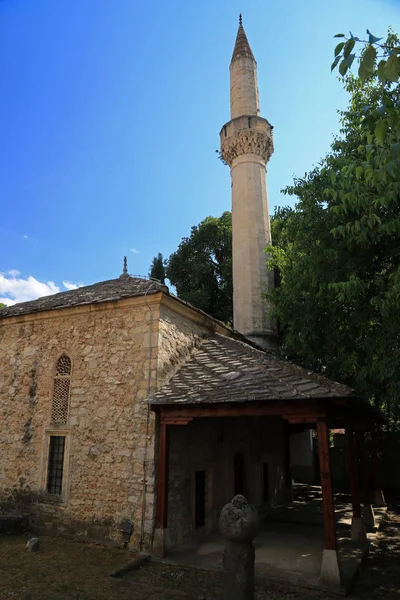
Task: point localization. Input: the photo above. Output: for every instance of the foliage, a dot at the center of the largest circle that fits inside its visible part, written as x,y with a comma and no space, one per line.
157,268
339,251
201,267
2,305
388,67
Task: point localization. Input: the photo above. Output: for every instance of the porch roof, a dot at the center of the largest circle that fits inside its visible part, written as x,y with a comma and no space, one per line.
227,370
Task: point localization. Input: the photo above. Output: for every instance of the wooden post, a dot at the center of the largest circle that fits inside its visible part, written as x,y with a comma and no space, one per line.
357,525
355,492
162,484
368,512
379,499
288,474
330,572
326,483
364,468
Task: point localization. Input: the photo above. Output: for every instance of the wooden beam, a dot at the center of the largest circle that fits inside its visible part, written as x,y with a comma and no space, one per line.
278,409
175,420
326,483
306,419
162,481
353,473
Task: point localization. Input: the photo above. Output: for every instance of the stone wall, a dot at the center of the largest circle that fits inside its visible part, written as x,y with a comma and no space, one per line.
110,432
178,337
210,444
120,353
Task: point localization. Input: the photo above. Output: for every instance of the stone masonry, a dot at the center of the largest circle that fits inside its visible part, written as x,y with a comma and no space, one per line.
120,352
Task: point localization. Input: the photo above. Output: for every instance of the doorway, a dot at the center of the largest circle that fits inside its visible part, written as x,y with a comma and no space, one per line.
239,474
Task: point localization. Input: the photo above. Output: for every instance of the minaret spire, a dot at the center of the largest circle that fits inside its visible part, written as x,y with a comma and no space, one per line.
242,46
246,146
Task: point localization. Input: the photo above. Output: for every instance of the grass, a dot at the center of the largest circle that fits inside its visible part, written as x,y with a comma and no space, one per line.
65,570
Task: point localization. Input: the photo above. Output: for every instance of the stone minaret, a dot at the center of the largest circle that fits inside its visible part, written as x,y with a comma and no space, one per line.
246,146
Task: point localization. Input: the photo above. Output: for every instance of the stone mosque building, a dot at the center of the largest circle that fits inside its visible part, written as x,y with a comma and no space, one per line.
120,402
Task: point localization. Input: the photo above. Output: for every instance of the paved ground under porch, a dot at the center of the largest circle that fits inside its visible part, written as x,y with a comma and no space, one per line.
290,544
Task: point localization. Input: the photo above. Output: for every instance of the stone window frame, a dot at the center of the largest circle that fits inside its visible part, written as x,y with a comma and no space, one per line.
69,377
53,429
46,497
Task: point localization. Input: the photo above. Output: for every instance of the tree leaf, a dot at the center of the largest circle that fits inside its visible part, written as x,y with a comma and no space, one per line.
380,131
339,35
359,172
392,68
338,48
362,73
372,38
381,71
348,47
343,67
368,59
335,62
349,60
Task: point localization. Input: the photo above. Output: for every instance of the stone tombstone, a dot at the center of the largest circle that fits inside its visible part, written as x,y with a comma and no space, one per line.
238,524
32,545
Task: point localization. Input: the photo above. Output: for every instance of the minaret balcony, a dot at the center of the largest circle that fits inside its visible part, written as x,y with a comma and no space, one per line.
246,135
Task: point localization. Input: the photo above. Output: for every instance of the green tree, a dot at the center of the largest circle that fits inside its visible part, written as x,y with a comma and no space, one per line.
157,268
339,252
201,267
2,305
375,58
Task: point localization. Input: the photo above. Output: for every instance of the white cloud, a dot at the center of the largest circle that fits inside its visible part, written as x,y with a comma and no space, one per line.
13,272
69,285
16,289
135,251
26,237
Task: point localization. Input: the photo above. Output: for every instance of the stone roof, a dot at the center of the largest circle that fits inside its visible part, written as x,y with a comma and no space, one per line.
225,369
124,286
242,46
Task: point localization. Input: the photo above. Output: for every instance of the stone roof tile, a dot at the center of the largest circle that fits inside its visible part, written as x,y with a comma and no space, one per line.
124,286
242,46
225,369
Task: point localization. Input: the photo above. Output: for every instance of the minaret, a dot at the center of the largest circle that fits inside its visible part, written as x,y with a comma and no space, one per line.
246,146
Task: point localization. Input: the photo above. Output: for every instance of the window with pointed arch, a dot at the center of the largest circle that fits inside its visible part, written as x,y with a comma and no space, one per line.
61,390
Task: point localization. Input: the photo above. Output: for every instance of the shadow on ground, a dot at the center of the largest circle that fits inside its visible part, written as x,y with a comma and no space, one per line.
65,570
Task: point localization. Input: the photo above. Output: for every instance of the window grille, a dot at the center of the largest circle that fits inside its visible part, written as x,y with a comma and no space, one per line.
62,381
56,464
63,365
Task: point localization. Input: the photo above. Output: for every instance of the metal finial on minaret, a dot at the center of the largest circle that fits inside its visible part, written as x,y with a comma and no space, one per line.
125,267
240,19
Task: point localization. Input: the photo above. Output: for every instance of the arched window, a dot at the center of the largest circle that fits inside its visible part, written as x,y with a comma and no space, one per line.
239,474
62,382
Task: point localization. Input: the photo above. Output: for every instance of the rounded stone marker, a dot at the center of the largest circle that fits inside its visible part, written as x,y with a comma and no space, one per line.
32,545
238,524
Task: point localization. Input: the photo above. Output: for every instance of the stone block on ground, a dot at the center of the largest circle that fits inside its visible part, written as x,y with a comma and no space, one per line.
32,545
239,525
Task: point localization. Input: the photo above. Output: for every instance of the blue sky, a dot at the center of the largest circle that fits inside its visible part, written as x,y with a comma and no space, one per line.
110,114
